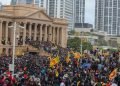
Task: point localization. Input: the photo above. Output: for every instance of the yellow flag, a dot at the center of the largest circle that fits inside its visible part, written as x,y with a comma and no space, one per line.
56,73
113,74
54,61
77,55
68,58
57,59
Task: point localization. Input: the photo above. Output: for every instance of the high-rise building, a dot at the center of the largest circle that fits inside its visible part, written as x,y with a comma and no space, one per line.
14,2
79,11
107,16
61,9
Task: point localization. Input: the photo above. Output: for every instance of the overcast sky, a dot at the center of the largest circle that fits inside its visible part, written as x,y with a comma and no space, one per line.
89,14
5,1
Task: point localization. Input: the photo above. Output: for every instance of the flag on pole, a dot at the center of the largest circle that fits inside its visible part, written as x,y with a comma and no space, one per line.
113,74
54,61
77,55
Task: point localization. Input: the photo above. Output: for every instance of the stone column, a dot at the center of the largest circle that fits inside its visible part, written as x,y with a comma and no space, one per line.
64,37
17,34
60,35
53,35
24,33
35,32
6,37
41,32
0,32
11,35
45,34
1,37
50,33
30,28
7,51
57,36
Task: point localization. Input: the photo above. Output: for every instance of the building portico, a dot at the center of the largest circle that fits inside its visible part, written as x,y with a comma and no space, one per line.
37,26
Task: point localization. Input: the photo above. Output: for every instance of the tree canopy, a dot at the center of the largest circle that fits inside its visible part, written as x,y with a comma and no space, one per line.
75,43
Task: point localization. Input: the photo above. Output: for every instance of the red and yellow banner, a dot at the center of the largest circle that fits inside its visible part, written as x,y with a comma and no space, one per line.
113,74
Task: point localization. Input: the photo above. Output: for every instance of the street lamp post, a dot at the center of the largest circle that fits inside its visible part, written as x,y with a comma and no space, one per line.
14,44
81,46
14,39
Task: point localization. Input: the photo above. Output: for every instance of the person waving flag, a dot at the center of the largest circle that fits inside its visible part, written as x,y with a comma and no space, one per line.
113,74
54,61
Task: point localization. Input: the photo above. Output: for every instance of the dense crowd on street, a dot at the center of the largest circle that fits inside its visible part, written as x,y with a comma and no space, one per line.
92,69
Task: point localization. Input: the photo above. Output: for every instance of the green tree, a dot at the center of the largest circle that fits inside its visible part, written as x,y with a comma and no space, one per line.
102,42
72,32
87,45
75,44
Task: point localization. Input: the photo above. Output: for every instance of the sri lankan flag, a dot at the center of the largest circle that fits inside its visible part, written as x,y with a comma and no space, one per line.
54,61
113,74
77,55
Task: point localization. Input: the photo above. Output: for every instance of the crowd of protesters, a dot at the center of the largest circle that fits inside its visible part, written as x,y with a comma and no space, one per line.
92,69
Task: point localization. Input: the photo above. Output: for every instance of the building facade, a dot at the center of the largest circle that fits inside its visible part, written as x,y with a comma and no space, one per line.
62,9
83,25
107,16
55,8
37,26
79,11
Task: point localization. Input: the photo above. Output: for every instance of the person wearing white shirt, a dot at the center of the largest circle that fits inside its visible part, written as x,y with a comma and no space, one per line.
113,84
62,84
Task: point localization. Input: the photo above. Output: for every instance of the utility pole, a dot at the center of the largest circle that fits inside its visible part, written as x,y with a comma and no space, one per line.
14,40
12,66
81,44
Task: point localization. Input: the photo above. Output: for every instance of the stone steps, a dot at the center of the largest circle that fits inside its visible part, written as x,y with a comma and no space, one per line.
20,50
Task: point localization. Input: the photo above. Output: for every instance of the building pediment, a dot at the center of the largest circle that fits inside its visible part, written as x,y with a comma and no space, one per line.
27,11
39,15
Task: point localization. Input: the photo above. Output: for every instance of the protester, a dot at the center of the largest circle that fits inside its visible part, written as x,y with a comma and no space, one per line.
90,69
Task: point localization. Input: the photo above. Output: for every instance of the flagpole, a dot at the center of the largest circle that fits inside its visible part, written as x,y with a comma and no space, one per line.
81,46
14,39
